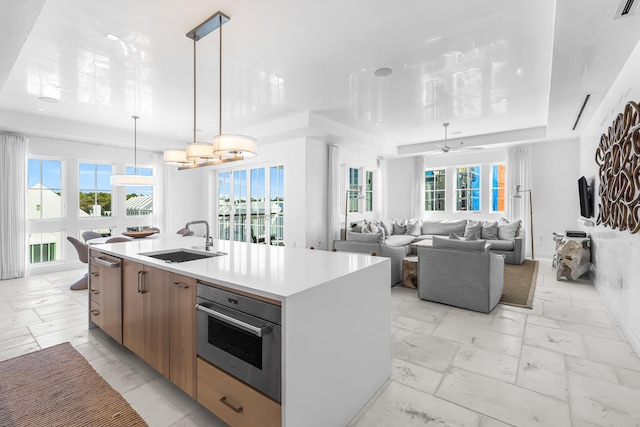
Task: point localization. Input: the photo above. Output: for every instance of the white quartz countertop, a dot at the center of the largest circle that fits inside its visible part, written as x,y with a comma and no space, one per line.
275,272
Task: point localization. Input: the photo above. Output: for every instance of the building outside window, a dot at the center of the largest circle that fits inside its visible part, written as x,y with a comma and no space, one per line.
354,183
434,190
468,189
497,188
239,205
139,197
224,205
368,191
276,216
95,189
44,195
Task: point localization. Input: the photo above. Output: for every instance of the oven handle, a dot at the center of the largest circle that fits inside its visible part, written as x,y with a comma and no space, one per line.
257,331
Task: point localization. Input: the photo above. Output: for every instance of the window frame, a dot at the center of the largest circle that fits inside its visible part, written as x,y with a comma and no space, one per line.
498,188
113,193
147,170
469,198
435,190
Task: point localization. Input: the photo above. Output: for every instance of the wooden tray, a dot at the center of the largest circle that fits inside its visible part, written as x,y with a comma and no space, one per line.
138,234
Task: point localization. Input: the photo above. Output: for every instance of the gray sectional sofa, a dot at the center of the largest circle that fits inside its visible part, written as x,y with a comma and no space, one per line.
393,238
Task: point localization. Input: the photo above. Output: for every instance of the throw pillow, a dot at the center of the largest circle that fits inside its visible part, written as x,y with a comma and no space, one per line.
459,245
473,227
388,226
358,227
469,238
490,230
414,227
372,227
399,226
364,237
508,231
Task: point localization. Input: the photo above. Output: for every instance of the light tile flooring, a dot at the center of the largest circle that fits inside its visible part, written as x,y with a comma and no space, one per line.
562,363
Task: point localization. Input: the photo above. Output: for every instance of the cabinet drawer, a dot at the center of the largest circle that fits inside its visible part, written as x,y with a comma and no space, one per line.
95,313
233,401
95,285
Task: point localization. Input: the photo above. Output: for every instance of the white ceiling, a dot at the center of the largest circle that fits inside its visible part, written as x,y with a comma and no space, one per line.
518,69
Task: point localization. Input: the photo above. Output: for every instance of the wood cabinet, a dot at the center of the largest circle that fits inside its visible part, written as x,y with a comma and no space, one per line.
233,401
145,314
105,293
182,332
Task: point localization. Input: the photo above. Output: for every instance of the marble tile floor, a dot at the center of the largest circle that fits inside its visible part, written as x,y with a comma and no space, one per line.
562,363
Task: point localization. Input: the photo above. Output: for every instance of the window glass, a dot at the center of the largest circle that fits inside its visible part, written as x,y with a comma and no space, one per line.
44,189
45,247
239,204
95,189
276,191
224,205
258,206
139,197
353,189
434,190
497,188
369,192
468,189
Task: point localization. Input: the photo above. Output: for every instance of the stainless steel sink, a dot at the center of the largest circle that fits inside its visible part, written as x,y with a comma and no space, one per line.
181,255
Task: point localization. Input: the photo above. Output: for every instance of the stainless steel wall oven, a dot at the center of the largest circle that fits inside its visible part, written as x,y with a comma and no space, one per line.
242,336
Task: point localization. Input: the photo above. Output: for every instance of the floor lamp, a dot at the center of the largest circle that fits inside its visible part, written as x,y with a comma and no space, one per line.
346,207
519,196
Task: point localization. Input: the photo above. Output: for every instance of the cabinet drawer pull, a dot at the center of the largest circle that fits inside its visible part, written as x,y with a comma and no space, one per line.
95,312
180,285
106,263
95,274
223,400
95,291
140,282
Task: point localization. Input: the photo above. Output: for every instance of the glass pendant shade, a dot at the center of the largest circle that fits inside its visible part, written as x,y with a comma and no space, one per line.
234,146
123,180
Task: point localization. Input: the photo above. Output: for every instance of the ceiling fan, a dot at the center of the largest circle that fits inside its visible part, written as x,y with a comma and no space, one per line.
445,148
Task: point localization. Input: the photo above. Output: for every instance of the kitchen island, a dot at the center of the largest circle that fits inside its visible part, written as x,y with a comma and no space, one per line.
336,350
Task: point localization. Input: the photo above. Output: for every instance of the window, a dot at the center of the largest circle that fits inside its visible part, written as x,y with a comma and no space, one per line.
276,191
497,188
239,205
369,191
224,205
259,214
45,189
139,198
353,189
45,247
468,189
95,189
434,190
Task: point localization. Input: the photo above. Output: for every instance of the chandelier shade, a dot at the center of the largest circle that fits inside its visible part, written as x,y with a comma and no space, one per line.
136,179
234,146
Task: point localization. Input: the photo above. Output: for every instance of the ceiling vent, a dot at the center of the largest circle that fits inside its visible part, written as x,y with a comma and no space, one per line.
579,116
626,8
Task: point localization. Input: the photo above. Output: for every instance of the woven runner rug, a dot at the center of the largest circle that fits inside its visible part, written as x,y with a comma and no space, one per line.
520,283
58,387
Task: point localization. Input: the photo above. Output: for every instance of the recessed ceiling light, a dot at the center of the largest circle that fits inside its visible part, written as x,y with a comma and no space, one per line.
503,99
112,36
382,72
49,99
518,70
39,108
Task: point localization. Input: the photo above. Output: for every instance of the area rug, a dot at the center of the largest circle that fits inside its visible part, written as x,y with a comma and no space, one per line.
520,283
58,387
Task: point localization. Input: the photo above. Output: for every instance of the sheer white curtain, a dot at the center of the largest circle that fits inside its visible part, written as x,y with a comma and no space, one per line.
381,195
13,206
333,195
417,189
519,173
160,206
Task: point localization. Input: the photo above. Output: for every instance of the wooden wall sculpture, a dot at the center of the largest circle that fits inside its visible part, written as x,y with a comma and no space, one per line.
618,158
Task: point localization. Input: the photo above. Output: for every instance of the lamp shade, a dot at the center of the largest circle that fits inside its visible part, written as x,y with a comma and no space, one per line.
199,150
175,157
122,180
234,145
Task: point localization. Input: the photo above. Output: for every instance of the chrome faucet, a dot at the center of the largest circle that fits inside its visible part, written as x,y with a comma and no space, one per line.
208,241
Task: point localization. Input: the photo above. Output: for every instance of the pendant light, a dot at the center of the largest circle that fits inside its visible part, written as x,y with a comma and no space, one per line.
224,148
137,179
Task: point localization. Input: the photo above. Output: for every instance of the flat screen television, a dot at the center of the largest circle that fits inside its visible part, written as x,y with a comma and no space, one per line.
586,199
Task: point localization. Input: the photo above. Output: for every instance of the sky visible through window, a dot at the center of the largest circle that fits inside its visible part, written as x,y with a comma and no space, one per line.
50,173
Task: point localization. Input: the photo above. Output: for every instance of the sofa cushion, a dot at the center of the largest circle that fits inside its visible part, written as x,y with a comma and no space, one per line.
490,230
501,245
414,227
364,237
473,227
387,224
508,231
396,240
372,227
443,228
459,245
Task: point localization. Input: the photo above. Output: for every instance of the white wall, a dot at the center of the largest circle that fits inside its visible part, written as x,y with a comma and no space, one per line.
615,254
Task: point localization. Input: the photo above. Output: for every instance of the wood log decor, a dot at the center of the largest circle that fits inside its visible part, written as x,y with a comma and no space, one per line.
618,158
